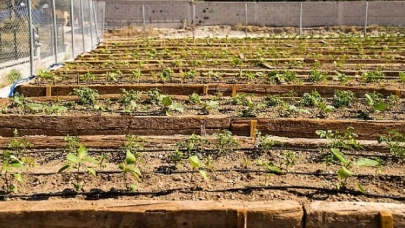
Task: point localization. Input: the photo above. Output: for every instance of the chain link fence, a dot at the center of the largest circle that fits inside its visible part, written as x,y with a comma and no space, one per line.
61,30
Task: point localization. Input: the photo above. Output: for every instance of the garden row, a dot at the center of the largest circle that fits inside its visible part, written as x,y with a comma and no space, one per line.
188,165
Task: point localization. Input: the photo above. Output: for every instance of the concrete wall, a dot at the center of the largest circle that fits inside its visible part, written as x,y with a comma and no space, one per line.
170,13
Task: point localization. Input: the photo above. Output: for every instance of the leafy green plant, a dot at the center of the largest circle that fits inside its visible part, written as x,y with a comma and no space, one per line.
316,76
134,144
235,61
13,160
46,75
9,169
129,100
395,142
196,164
190,74
86,95
264,144
113,76
88,77
324,109
375,104
273,100
311,99
168,106
239,99
166,74
343,98
401,76
135,75
193,145
206,106
78,160
288,159
154,96
251,110
285,76
128,167
345,140
344,172
372,76
226,142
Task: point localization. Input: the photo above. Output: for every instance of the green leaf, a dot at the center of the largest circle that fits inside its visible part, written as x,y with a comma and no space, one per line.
402,76
204,174
18,177
195,162
135,174
167,101
177,106
91,171
72,158
274,169
133,188
344,173
381,107
82,152
339,155
369,99
136,170
121,167
366,162
65,167
90,159
130,158
361,189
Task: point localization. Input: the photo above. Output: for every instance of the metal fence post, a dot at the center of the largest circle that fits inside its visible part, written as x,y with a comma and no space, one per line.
30,27
246,20
82,24
95,23
366,21
193,20
143,20
72,26
103,19
91,24
55,32
300,18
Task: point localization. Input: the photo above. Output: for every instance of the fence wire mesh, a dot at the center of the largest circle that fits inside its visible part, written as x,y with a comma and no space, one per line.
61,29
14,41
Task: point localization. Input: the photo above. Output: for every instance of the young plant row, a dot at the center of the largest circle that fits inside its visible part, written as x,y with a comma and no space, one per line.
202,76
343,104
200,156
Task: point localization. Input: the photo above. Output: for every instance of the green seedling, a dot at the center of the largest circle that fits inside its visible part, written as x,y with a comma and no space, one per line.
395,142
226,143
129,168
311,99
372,76
343,98
195,164
129,100
316,76
86,95
79,160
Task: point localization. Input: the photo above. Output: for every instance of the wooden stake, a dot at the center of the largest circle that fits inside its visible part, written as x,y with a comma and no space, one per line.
234,90
205,90
398,93
48,90
253,129
242,219
386,220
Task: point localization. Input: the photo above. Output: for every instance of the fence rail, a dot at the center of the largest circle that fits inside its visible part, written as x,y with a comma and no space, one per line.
37,34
